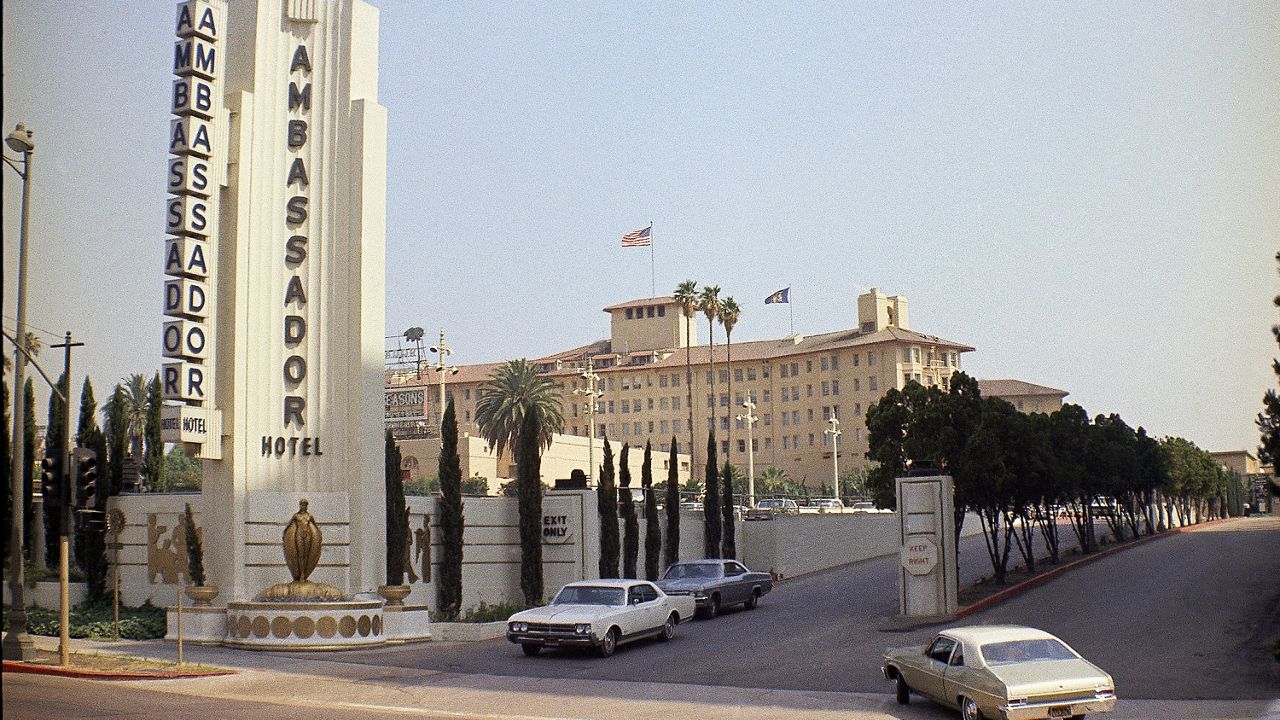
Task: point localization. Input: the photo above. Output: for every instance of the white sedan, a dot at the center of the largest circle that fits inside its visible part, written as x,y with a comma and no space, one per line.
600,614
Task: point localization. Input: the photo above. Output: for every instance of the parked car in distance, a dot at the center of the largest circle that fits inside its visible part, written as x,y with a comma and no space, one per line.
825,505
601,614
1001,671
787,506
692,505
863,506
714,584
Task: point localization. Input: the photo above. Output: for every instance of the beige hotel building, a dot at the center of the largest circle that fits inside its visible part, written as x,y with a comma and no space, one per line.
798,383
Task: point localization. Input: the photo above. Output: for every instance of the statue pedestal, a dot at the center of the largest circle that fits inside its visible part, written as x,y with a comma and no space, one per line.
332,625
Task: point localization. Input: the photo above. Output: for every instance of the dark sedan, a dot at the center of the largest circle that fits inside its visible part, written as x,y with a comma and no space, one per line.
715,584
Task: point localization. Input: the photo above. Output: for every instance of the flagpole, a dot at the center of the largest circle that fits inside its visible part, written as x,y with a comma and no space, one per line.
653,277
791,308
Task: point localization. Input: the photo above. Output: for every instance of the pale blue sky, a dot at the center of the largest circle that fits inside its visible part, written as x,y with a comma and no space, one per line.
1088,193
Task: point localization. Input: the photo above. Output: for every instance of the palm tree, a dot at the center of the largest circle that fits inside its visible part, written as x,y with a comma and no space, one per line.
136,406
34,345
709,304
514,390
686,295
729,313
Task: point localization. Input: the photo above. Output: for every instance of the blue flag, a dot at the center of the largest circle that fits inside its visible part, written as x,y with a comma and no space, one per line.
782,296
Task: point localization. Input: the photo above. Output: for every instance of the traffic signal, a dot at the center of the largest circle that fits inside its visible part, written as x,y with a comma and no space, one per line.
51,481
86,478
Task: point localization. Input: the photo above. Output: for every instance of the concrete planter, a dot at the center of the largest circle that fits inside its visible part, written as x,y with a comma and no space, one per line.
468,632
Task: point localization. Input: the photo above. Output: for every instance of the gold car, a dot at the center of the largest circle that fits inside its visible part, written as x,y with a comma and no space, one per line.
1001,672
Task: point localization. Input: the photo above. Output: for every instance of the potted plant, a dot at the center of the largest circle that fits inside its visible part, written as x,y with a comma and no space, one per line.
199,593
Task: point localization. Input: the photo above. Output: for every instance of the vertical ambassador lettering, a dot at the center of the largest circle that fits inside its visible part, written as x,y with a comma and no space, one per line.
295,250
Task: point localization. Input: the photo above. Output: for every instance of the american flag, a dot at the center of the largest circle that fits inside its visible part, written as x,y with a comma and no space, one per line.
637,238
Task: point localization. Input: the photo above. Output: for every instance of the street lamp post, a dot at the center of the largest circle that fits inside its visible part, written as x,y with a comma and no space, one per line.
835,434
17,643
442,367
592,392
750,419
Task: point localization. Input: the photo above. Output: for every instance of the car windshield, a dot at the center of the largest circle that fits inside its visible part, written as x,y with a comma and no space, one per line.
590,595
769,504
1020,651
680,571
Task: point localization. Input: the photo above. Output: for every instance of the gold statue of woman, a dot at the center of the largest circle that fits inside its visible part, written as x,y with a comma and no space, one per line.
302,542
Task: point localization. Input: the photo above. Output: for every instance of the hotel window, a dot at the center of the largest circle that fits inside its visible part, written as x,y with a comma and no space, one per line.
795,442
823,363
711,400
626,383
835,363
635,405
575,429
662,381
664,404
766,396
466,416
711,424
724,447
742,446
724,399
810,414
835,387
724,376
785,393
575,412
872,385
626,406
826,412
610,384
857,384
724,423
809,389
650,403
795,392
826,440
709,377
786,443
737,375
626,429
784,370
810,439
611,410
808,366
751,373
664,426
662,311
857,409
675,380
739,424
737,401
856,358
630,313
601,431
613,429
786,420
871,357
466,393
648,381
675,403
835,410
795,369
795,417
767,419
637,428
649,311
826,388
768,443
764,372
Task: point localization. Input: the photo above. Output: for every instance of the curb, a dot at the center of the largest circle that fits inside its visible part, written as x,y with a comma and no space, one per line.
1042,578
83,674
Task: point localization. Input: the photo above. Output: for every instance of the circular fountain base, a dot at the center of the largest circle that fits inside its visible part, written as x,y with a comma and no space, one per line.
308,625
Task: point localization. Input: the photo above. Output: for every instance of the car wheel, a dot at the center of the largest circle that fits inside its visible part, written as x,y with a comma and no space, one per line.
668,628
713,607
904,692
969,709
530,649
752,601
609,643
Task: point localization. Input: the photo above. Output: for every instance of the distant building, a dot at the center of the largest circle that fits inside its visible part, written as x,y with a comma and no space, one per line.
1027,397
1242,462
798,384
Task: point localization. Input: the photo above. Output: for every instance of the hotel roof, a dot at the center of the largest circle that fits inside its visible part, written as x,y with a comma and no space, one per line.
1013,388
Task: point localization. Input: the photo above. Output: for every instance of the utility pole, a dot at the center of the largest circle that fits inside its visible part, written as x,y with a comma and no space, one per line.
444,369
64,540
592,392
835,434
750,419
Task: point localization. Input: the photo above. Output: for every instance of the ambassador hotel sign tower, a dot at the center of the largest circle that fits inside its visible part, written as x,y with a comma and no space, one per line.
274,281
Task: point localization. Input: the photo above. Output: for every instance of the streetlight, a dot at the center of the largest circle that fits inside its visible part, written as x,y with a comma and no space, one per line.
592,392
17,643
835,434
444,369
750,419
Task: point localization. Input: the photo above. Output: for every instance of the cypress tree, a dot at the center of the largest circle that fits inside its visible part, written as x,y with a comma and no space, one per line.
729,543
711,502
630,528
153,459
529,477
53,448
91,547
116,428
452,522
652,532
671,543
607,505
395,505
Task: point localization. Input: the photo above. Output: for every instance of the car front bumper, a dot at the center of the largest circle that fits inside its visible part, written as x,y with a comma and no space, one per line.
1043,711
552,639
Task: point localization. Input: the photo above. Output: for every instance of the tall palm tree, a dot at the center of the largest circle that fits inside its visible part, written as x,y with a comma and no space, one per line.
709,304
515,390
729,313
686,295
136,406
34,345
